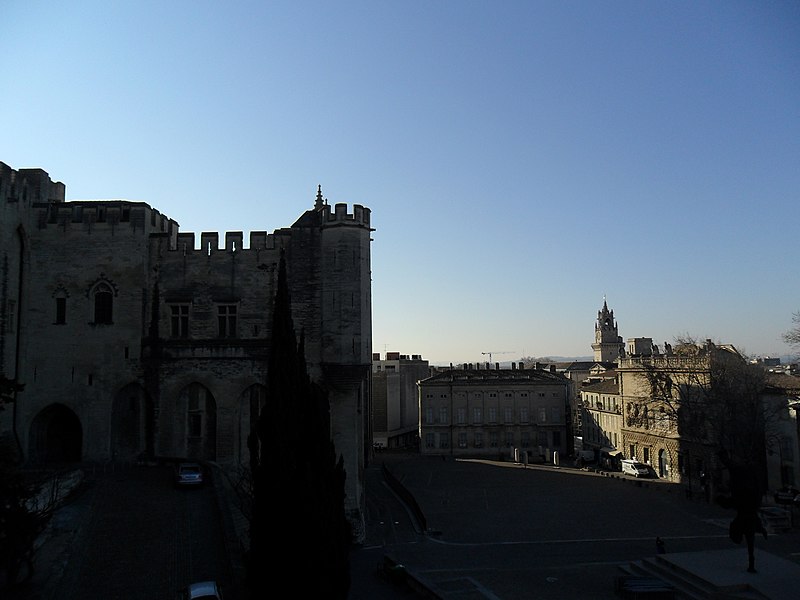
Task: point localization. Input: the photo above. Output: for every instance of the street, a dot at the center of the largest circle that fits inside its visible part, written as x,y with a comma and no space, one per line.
495,530
502,531
137,536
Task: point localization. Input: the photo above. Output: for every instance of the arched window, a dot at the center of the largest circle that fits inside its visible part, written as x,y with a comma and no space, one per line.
103,303
201,423
61,296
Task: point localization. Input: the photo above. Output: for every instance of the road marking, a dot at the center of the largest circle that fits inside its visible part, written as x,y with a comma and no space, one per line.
576,541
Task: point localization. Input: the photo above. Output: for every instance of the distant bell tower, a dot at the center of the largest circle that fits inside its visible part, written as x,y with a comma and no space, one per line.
608,345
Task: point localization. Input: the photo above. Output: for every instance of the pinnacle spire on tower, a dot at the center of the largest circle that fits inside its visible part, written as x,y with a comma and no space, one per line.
608,346
318,204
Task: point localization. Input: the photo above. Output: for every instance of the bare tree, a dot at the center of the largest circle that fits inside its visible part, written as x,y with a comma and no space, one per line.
709,396
26,507
532,360
792,337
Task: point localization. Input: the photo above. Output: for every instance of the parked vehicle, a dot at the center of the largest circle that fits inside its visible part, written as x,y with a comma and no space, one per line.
202,590
637,469
188,474
787,495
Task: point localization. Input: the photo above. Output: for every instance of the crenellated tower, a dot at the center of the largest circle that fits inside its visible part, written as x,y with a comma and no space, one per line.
134,339
608,345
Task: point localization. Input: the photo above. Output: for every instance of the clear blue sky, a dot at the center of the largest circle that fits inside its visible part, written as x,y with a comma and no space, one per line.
521,159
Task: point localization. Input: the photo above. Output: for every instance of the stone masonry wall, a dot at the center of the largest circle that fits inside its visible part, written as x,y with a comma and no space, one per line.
136,385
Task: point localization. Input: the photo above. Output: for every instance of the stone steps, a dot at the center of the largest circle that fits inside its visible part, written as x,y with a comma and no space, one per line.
688,585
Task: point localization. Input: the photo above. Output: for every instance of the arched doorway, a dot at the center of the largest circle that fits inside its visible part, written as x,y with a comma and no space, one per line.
132,424
201,422
663,469
56,436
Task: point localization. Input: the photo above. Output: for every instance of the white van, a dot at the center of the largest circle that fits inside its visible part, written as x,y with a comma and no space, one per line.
632,467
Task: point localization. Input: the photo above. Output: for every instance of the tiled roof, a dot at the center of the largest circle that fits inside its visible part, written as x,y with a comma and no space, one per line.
607,386
783,382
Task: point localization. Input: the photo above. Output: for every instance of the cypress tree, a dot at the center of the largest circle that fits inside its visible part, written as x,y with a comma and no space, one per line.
300,534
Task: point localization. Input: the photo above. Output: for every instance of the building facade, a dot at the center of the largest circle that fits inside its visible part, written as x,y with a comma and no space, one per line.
602,421
608,348
491,412
580,374
623,419
132,340
677,449
395,402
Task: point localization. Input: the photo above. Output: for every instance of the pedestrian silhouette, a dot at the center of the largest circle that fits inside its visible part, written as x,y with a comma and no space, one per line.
745,499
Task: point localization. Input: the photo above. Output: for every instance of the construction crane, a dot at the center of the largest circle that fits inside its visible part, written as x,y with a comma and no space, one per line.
496,352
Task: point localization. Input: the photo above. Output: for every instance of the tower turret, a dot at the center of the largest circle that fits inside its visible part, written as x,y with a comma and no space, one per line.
318,204
608,345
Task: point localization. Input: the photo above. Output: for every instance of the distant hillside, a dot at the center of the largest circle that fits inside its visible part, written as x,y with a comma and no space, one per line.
529,361
506,364
560,359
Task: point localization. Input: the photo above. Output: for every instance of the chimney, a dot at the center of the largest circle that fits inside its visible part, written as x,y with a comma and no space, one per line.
497,366
552,368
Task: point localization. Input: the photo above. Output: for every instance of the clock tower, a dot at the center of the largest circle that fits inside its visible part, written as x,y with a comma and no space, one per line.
608,345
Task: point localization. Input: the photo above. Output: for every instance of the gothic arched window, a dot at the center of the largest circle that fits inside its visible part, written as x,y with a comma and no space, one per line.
103,303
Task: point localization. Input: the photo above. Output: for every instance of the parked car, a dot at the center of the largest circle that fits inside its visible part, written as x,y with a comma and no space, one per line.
637,469
787,495
188,474
202,590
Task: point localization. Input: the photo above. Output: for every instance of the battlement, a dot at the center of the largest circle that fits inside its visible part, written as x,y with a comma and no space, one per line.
97,214
29,185
234,242
261,240
360,215
48,209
